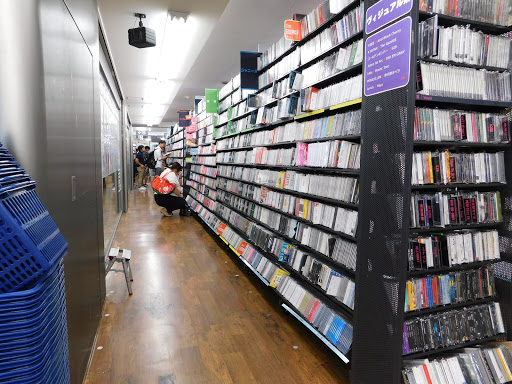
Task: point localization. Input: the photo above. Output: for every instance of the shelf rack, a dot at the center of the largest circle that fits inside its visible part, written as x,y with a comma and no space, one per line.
384,210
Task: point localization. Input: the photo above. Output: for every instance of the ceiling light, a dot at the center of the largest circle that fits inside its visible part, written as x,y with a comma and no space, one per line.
180,17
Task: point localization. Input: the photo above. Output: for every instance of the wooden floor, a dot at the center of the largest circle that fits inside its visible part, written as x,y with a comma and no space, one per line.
196,316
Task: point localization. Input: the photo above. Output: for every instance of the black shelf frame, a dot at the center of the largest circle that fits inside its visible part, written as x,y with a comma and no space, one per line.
338,304
247,265
455,228
326,200
281,297
465,65
232,106
258,127
290,216
339,171
312,34
462,103
201,193
229,93
453,268
285,301
205,144
384,212
175,141
356,138
449,21
383,230
204,196
205,154
204,165
449,307
201,174
437,187
338,76
460,144
239,117
330,51
206,185
420,355
327,260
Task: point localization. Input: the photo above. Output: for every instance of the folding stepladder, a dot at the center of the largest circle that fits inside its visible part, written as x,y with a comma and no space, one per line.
122,256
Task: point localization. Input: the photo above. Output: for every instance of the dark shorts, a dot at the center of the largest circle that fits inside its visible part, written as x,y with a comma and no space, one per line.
170,202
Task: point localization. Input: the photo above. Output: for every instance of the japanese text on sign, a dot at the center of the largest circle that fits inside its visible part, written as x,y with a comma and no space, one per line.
384,12
292,30
387,58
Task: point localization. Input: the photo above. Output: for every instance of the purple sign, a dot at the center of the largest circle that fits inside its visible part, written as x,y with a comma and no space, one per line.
387,59
384,12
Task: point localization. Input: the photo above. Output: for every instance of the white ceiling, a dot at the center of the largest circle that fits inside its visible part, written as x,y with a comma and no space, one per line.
218,33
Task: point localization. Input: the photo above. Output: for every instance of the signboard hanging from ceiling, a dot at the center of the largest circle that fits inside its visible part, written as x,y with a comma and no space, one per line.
292,30
249,70
184,118
212,100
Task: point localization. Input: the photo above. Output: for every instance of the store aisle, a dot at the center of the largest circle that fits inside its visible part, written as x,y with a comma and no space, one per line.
192,320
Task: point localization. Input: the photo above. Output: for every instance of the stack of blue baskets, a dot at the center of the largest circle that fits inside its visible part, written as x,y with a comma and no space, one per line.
33,328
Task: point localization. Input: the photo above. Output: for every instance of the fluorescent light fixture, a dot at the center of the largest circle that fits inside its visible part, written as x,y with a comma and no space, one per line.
178,37
171,63
179,17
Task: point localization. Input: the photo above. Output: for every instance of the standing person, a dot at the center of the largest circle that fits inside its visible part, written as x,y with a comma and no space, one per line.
173,200
147,149
135,151
159,157
141,165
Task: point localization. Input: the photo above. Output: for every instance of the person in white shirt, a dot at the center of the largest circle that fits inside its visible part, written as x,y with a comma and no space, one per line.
159,157
173,200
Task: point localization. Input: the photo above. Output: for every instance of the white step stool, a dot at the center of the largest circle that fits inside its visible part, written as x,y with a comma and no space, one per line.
122,256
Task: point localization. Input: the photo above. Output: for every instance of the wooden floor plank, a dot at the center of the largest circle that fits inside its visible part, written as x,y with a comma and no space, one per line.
195,316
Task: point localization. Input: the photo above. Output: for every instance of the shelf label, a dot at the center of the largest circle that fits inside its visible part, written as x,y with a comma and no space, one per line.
304,115
388,58
234,250
242,247
292,30
212,100
384,12
346,104
184,118
278,276
221,228
249,69
223,239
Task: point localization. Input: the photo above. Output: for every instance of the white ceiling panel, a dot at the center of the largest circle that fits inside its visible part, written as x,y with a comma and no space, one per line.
220,31
154,75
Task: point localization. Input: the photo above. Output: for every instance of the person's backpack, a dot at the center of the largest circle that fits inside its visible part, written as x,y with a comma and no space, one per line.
151,163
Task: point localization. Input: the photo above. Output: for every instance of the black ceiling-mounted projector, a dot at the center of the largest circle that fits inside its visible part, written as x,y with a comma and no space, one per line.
141,37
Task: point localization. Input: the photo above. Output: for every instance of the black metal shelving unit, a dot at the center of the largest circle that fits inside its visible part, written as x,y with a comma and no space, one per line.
384,213
385,190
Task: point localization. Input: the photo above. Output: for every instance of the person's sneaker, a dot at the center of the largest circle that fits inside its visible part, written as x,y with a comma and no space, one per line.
142,188
165,213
